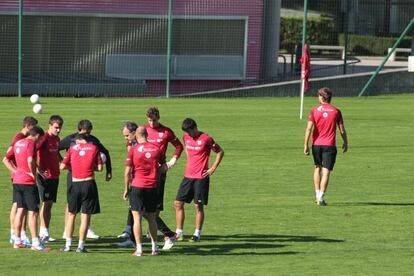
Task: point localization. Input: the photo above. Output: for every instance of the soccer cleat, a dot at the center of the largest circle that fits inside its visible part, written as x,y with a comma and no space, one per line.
92,235
40,247
137,254
44,239
65,249
18,245
155,252
124,235
179,237
128,244
169,243
81,250
322,202
27,243
194,239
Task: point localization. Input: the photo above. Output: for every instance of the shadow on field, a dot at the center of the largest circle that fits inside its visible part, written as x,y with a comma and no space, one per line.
102,245
375,204
238,245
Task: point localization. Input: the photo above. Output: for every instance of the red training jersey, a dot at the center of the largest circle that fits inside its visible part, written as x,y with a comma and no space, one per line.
144,159
325,118
22,150
161,136
48,155
82,158
198,153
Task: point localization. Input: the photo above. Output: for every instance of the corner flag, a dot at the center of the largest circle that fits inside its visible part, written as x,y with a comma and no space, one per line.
306,70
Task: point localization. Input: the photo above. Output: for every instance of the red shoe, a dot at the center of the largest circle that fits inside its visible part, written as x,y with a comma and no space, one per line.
19,245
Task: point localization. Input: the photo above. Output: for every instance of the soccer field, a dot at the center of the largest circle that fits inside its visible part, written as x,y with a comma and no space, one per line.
261,218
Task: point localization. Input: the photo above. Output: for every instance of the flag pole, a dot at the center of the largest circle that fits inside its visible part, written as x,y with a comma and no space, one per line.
302,83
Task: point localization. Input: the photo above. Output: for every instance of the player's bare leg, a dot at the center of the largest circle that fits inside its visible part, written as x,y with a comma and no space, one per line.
17,225
45,216
83,230
152,225
137,229
199,220
317,182
179,218
324,184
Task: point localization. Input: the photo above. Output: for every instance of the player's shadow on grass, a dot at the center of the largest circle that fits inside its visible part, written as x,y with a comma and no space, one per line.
375,204
253,244
101,245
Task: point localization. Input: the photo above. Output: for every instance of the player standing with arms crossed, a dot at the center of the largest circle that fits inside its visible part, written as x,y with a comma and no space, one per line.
143,164
83,158
48,159
322,123
24,186
195,185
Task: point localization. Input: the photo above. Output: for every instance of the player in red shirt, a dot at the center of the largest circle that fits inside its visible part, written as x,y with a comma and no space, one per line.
143,164
21,162
195,185
28,123
322,123
83,158
48,159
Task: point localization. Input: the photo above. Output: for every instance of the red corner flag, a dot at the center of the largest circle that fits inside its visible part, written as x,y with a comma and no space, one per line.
305,61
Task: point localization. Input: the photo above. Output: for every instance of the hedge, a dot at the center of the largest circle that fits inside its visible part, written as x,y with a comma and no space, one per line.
320,31
371,45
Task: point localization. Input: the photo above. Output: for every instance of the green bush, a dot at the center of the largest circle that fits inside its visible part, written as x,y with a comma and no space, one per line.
320,30
371,45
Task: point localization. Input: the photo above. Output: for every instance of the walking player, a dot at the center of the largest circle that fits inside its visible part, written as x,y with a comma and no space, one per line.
83,158
195,185
322,123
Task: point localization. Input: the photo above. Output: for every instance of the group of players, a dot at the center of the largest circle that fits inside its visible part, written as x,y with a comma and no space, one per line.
34,161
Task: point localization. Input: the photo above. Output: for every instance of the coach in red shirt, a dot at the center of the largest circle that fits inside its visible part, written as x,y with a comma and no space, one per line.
195,185
322,123
24,185
83,159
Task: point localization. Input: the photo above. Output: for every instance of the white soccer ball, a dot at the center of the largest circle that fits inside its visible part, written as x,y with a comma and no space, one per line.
37,108
34,99
103,157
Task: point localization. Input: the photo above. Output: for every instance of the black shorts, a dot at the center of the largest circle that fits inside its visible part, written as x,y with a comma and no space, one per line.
161,178
84,197
196,189
27,196
143,199
324,156
48,188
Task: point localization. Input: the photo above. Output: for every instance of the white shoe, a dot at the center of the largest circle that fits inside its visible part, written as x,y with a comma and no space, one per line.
128,244
169,243
124,235
92,235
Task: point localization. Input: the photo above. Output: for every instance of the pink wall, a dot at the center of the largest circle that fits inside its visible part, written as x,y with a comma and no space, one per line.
251,8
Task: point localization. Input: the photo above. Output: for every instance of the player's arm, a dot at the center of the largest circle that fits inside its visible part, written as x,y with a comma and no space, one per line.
64,165
108,163
342,131
65,143
32,166
178,150
127,180
220,154
8,163
308,132
99,165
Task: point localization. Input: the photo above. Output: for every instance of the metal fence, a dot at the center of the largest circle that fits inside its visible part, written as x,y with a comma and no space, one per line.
170,48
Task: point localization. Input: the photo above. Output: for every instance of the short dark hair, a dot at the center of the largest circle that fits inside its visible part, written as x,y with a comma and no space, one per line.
55,119
29,121
81,136
153,112
188,124
326,94
85,125
131,126
36,130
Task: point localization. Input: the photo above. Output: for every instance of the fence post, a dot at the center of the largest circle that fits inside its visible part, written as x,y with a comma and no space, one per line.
169,34
20,56
302,83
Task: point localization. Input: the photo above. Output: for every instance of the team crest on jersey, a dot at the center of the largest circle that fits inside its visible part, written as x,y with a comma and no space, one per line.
82,153
148,155
160,134
140,148
325,114
76,147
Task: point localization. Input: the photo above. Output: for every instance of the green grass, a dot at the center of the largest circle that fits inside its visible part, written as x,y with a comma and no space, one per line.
261,218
